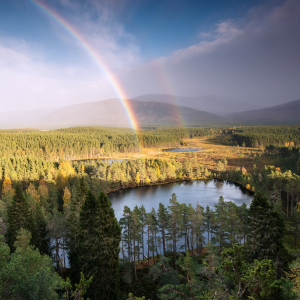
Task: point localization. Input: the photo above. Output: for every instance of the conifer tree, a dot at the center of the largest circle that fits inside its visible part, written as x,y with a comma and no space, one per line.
152,231
57,231
126,224
72,214
208,222
220,223
26,274
298,165
19,216
100,236
198,225
183,223
142,220
136,237
163,218
243,212
266,229
83,189
40,230
174,218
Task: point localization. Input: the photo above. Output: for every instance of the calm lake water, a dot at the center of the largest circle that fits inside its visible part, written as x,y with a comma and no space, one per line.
205,192
182,149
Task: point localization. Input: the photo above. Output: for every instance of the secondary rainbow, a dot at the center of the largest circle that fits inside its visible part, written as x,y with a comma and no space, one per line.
94,54
165,80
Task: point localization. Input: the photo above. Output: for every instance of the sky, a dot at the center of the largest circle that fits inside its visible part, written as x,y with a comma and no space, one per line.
246,50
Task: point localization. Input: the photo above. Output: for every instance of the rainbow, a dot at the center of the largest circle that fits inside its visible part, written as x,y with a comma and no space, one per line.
94,54
167,85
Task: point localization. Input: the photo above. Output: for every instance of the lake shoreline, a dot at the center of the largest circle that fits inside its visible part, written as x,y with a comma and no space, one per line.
179,181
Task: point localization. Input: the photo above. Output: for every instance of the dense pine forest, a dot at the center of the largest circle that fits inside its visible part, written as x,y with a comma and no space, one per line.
59,238
261,136
89,142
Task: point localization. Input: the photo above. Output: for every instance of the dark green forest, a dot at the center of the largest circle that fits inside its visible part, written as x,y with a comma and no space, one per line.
55,207
262,136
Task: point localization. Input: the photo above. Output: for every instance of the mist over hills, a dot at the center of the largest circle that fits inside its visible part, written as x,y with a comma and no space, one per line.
151,113
213,104
112,113
288,113
22,118
109,113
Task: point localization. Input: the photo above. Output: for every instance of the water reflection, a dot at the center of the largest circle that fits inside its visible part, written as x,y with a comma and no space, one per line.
219,184
205,192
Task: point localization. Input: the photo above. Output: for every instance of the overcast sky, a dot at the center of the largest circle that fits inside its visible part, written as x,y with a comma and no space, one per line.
247,50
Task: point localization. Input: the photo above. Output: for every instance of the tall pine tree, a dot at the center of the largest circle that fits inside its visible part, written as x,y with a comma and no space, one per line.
266,230
72,213
19,216
40,230
163,219
100,236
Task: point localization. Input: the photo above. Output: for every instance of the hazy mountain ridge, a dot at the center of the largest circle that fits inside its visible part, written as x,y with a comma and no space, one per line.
288,113
152,113
112,113
213,104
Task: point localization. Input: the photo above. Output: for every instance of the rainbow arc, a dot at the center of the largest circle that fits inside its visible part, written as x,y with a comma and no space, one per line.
94,54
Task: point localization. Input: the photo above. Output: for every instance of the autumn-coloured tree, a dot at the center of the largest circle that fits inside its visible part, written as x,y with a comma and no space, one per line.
137,178
43,189
33,193
66,197
7,186
66,169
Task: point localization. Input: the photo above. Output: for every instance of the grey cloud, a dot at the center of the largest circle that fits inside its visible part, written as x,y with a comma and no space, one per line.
256,59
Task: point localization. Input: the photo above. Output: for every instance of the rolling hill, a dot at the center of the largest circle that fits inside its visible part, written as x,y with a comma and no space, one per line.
288,113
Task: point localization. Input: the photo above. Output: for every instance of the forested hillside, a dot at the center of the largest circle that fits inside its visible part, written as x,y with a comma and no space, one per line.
57,227
261,136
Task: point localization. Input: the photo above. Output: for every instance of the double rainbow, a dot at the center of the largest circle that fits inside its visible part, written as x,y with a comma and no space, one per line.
94,54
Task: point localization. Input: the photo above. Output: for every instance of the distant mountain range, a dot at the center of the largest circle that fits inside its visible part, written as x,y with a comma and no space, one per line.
288,113
213,104
153,113
109,113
